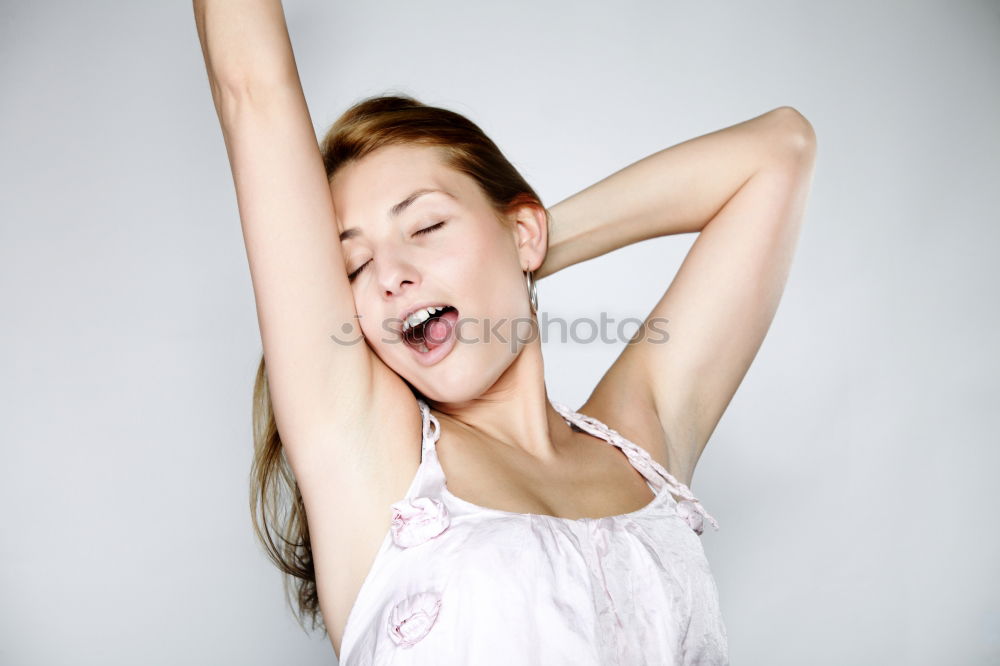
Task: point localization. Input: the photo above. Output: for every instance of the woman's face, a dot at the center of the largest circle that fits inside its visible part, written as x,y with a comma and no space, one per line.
416,233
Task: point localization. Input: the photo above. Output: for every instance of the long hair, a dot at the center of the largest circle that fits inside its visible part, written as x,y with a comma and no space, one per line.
276,504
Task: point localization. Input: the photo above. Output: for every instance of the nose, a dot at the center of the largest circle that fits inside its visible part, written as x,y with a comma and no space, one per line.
395,274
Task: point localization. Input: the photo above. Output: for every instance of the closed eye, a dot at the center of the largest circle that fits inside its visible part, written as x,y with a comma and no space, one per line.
430,229
350,278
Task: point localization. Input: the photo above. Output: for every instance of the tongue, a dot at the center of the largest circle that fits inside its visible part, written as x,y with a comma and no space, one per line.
436,331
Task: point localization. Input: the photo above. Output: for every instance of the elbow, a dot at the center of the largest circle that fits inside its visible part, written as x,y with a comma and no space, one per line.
798,134
235,97
790,138
249,88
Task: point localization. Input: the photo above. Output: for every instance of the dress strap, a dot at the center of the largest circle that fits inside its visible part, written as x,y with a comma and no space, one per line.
431,428
636,453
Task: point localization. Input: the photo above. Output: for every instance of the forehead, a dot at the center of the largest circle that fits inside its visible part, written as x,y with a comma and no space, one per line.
364,190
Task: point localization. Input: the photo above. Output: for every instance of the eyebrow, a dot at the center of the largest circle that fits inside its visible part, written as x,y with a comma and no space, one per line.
396,210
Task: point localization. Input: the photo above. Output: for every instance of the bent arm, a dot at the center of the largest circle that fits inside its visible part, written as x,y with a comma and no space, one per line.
676,190
744,189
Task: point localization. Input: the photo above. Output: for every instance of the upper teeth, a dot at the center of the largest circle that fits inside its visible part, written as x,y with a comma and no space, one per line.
420,316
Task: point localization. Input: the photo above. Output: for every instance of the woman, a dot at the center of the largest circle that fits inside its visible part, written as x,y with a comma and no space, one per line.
394,271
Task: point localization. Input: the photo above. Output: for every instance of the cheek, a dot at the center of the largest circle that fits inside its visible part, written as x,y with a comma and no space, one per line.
373,327
486,257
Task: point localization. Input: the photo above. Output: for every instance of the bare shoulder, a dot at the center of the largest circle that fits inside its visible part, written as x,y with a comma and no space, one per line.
352,474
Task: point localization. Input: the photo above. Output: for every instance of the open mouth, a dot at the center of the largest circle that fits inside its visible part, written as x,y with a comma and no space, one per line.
426,336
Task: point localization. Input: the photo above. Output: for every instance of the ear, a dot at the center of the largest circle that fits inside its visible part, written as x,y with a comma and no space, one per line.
531,229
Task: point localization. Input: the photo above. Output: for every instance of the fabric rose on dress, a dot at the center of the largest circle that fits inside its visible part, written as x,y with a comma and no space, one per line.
686,510
416,520
412,618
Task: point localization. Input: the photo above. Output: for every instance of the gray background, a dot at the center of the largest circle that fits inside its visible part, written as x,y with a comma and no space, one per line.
853,474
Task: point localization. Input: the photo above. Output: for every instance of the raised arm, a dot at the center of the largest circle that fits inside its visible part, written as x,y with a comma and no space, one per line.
744,188
347,431
286,211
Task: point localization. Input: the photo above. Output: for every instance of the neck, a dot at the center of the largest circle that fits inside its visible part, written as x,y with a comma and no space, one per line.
515,411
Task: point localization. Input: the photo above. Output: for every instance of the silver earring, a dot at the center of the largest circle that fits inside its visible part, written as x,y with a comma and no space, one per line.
529,279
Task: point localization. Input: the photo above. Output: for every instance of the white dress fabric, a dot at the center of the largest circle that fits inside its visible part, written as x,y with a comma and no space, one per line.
456,583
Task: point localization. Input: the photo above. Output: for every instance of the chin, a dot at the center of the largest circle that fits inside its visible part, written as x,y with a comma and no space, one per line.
453,390
461,382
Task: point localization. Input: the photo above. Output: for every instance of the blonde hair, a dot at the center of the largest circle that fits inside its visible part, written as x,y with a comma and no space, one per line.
276,504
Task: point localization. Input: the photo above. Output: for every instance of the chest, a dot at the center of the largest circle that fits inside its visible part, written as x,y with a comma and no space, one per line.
591,478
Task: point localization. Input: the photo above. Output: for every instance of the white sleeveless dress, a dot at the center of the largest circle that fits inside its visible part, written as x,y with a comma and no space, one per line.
456,583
